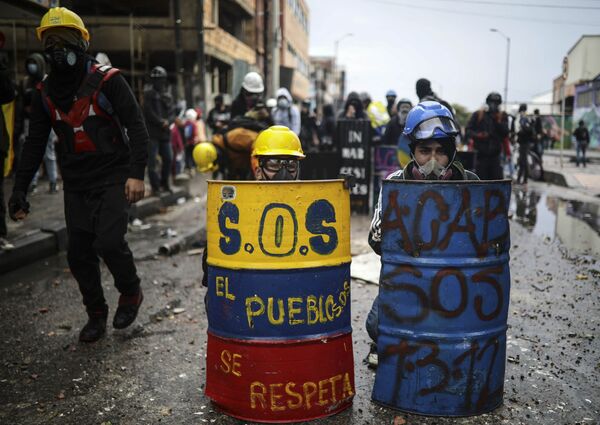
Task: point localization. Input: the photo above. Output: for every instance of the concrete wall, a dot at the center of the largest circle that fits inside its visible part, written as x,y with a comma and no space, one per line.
584,59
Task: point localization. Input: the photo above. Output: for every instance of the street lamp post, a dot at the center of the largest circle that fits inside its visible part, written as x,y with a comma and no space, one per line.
507,65
335,67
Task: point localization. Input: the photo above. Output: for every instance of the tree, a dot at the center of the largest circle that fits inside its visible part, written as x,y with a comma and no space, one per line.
461,114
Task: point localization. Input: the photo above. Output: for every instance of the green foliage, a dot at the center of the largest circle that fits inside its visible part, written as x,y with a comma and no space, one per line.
461,114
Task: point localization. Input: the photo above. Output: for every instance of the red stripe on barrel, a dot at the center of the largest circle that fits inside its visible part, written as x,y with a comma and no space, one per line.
283,381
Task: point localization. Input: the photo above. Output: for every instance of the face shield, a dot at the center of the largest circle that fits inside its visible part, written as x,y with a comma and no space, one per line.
427,129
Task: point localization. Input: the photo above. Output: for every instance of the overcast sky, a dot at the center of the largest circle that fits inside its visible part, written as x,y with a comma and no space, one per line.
396,42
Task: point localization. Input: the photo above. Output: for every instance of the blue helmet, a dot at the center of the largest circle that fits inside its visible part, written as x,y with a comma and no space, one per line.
430,120
391,93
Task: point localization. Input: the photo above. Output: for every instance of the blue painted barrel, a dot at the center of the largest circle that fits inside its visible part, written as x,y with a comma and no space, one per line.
443,297
278,302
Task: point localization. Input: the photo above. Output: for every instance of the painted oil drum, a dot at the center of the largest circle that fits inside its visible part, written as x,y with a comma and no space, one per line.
275,382
443,297
278,301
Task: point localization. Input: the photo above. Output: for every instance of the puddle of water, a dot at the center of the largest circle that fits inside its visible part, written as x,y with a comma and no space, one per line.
576,224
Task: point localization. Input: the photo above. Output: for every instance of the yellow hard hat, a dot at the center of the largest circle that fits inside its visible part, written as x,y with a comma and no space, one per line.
278,140
205,157
62,17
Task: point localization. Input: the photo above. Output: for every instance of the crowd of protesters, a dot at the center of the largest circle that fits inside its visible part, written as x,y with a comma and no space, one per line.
175,129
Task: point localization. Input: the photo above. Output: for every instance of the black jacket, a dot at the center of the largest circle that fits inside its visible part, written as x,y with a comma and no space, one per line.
158,107
89,171
488,132
238,106
393,131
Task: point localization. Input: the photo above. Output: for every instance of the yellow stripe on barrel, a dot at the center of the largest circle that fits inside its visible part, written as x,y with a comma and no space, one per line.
278,225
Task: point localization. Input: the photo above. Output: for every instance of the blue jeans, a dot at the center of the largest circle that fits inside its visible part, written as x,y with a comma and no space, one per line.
372,322
581,148
162,148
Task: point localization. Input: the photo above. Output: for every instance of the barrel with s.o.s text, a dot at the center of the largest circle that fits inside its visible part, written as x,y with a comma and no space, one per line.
278,302
443,297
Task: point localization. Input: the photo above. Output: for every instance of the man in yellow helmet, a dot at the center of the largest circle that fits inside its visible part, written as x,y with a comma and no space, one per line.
276,156
277,153
88,106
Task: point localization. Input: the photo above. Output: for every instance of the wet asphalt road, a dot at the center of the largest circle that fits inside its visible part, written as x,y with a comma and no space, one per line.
154,371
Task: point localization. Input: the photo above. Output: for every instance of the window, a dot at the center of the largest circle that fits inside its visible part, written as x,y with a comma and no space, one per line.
584,99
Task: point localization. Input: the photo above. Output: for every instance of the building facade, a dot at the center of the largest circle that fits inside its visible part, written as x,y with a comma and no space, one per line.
581,88
140,34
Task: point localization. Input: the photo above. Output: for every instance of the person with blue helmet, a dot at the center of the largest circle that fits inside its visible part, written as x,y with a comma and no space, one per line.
431,132
390,96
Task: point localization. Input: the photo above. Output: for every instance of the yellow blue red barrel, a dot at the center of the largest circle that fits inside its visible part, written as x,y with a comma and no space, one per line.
443,297
278,303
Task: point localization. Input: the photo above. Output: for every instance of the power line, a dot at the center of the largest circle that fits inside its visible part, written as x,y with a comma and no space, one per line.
541,6
485,15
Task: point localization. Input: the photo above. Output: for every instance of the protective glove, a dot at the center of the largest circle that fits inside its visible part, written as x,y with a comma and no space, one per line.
16,203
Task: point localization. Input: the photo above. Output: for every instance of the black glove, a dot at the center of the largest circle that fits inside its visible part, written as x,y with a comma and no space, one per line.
16,203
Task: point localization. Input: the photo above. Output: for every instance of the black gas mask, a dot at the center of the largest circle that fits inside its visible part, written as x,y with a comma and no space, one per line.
285,169
63,57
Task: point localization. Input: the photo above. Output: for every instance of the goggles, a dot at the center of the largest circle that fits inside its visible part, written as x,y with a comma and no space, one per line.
276,164
426,129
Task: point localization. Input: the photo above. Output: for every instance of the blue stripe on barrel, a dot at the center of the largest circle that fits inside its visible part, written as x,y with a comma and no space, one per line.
444,296
279,304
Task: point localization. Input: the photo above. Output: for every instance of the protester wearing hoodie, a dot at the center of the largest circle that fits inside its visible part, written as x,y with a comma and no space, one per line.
423,88
286,113
353,109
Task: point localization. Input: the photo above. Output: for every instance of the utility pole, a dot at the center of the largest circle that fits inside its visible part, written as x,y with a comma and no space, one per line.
266,42
200,52
565,74
276,40
178,49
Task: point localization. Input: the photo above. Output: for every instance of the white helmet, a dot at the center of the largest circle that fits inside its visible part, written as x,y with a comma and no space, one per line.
191,115
253,83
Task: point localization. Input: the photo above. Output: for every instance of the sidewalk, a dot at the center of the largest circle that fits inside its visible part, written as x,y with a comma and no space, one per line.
586,180
44,232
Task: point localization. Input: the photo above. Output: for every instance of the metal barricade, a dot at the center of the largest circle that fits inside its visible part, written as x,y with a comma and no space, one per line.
444,295
278,304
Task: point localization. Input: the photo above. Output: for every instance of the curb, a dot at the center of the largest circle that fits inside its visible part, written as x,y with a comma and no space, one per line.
556,178
176,245
52,238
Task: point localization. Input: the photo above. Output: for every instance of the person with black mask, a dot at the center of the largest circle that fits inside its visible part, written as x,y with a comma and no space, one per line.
525,131
393,131
159,113
219,116
390,97
89,107
353,108
250,94
327,128
487,128
309,132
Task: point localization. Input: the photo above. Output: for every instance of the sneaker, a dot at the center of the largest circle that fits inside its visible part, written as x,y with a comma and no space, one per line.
95,328
5,245
372,358
127,310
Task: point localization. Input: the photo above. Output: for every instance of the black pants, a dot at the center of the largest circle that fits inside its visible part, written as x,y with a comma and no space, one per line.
523,175
164,149
96,226
489,168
